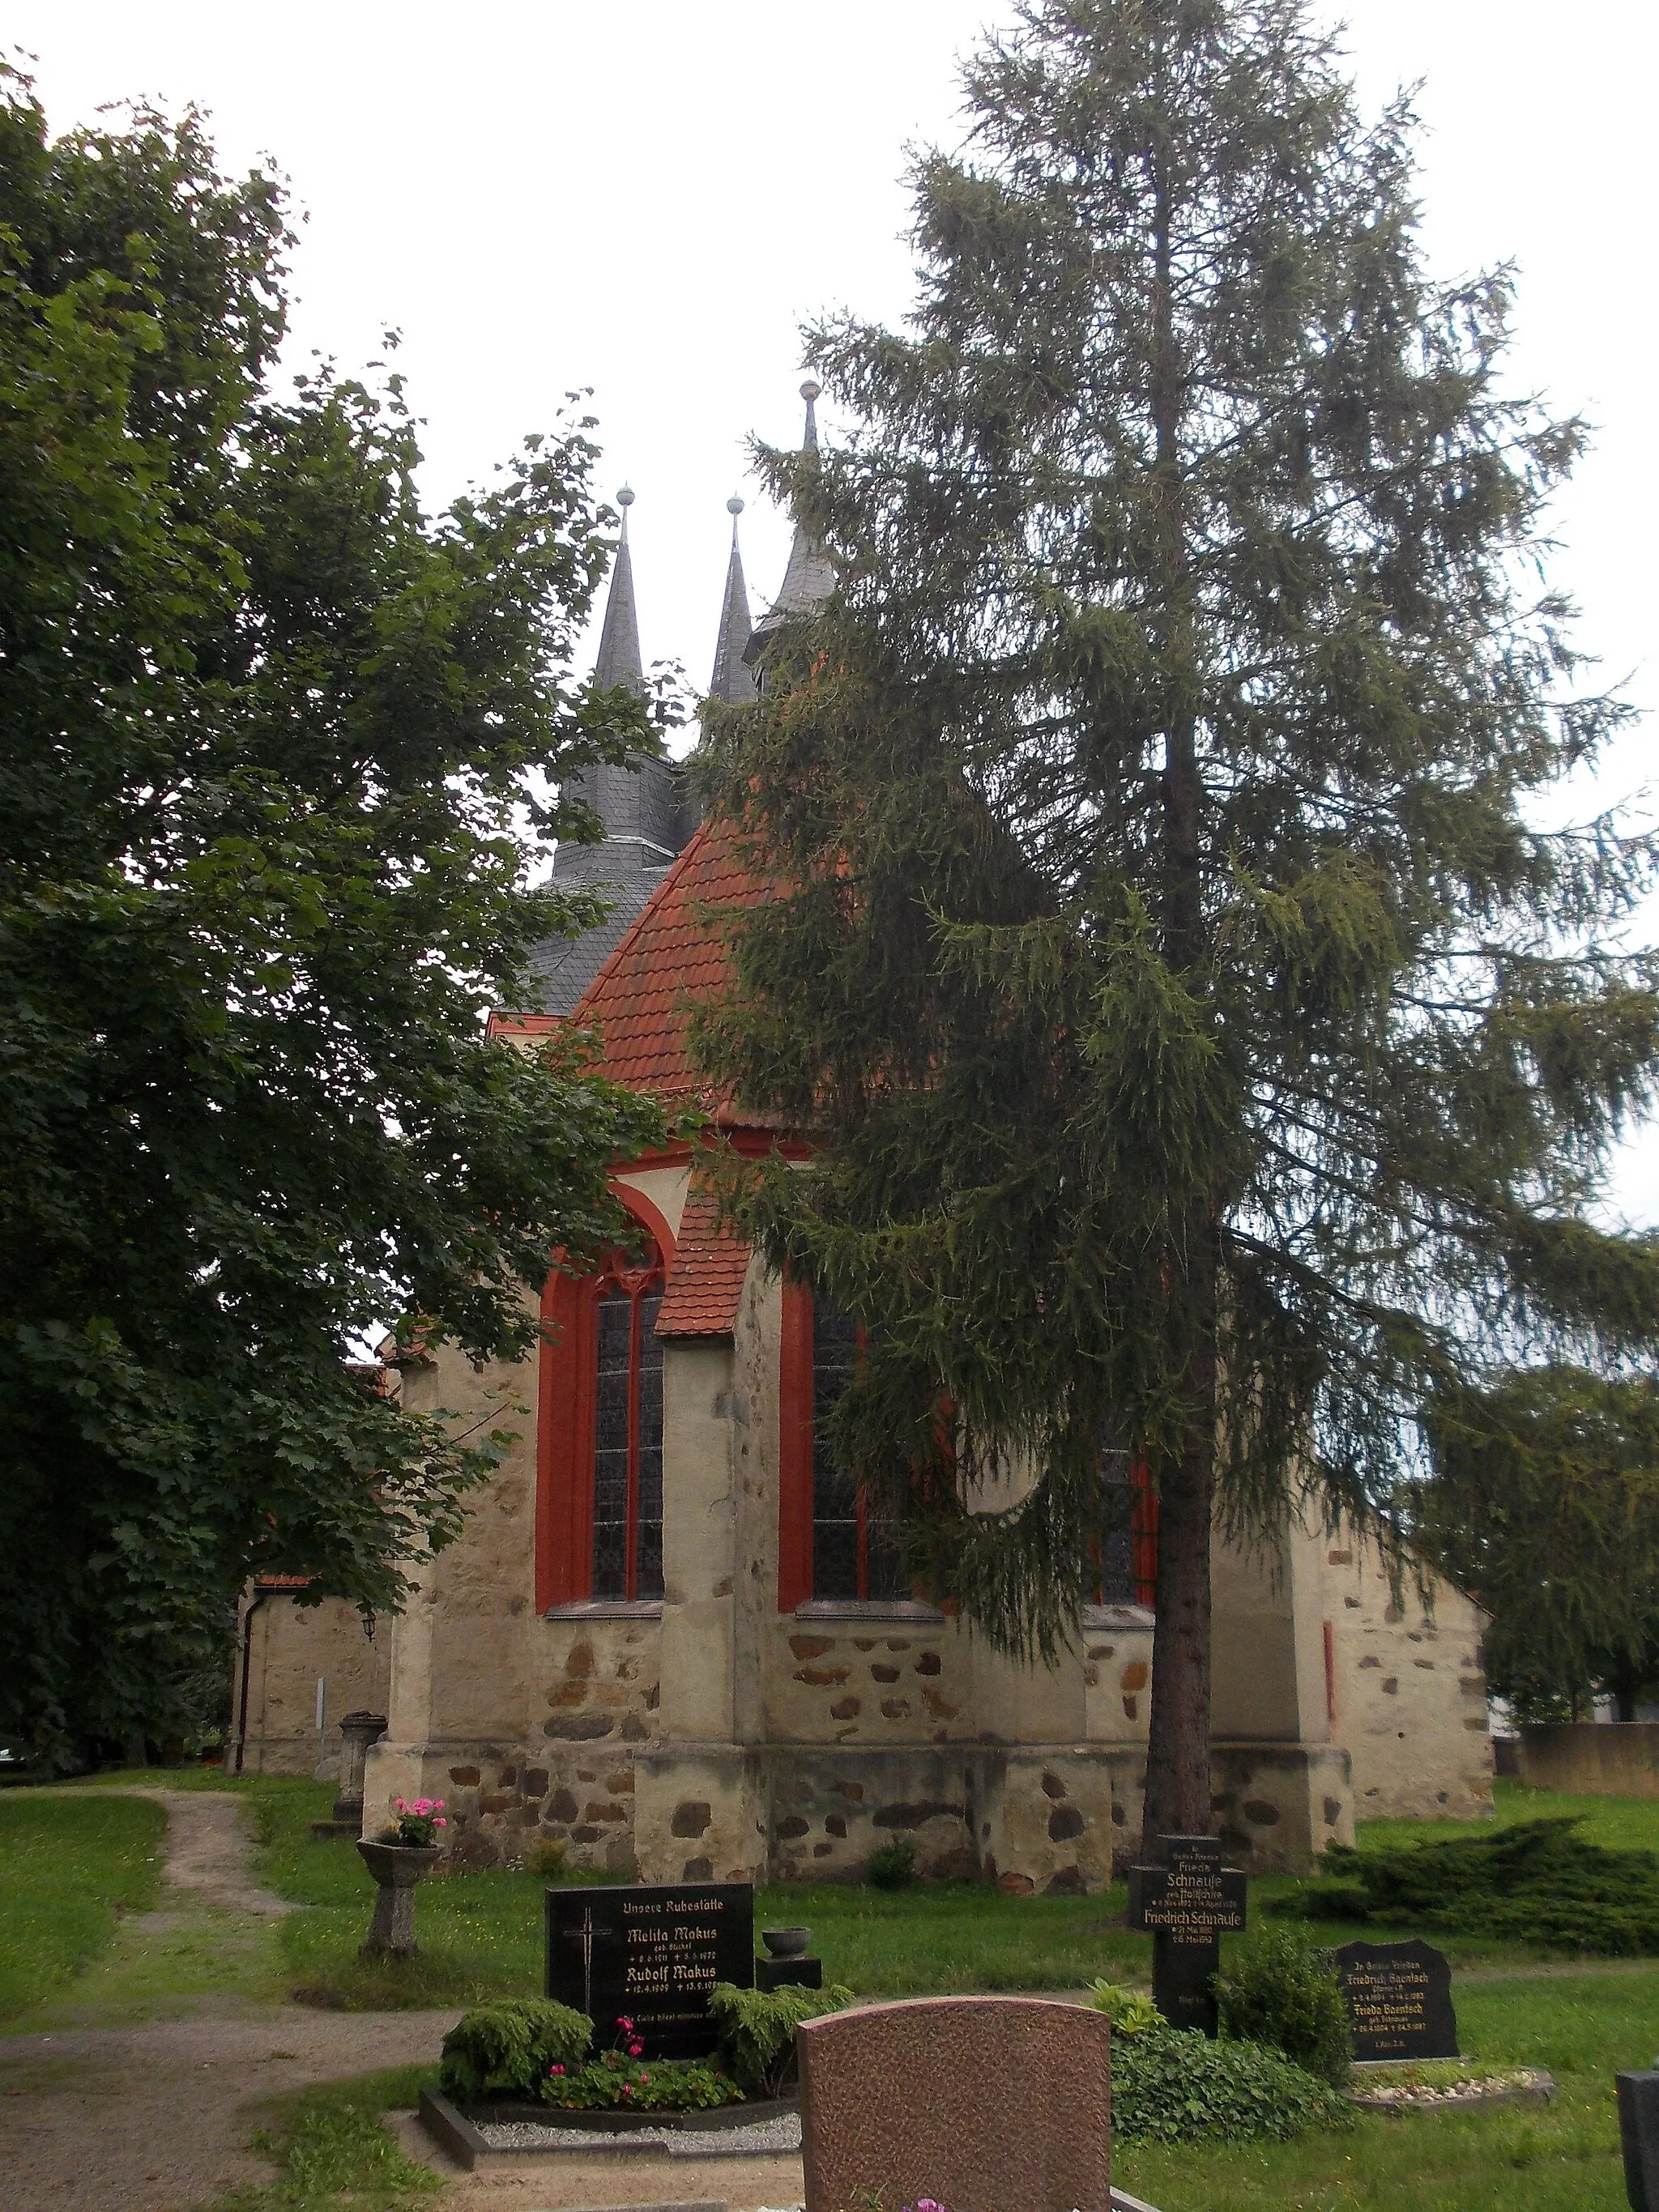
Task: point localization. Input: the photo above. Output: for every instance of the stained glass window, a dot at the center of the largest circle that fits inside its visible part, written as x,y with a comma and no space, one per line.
627,1429
853,1552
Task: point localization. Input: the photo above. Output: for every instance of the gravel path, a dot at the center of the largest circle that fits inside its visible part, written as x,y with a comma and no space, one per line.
155,2117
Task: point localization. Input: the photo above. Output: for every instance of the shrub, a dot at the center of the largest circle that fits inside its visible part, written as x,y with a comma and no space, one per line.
507,2048
1538,1882
1281,1989
546,1859
1173,2085
616,2082
894,1866
757,2029
1131,2011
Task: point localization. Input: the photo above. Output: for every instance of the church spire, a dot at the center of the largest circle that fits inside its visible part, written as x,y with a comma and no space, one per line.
619,660
731,680
809,579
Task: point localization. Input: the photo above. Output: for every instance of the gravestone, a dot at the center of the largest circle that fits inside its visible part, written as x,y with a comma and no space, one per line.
1399,2000
651,1952
1186,1901
983,2103
1638,2135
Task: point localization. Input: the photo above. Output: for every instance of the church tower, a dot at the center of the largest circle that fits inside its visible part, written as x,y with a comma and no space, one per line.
643,804
809,579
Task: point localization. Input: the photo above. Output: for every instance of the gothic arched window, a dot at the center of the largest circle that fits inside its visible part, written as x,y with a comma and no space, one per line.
830,1544
598,1521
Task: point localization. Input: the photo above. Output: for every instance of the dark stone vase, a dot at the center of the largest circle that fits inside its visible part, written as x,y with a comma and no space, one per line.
786,1942
397,1868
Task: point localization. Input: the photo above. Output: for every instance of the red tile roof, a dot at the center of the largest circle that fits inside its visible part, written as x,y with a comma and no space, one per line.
706,1279
671,957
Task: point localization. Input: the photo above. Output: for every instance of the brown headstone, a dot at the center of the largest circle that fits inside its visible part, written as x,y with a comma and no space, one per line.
984,2104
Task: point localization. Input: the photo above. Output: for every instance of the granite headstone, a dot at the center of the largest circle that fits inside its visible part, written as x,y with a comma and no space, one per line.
1399,2000
983,2103
651,1952
1638,2135
1188,1900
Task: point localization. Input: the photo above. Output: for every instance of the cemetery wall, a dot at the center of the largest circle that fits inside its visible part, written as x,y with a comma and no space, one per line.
1409,1689
1618,1759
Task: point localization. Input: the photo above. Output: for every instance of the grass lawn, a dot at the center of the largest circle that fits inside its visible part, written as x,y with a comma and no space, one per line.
66,1865
68,1871
336,2152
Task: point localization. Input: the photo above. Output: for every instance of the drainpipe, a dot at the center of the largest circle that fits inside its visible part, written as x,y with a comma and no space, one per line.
254,1605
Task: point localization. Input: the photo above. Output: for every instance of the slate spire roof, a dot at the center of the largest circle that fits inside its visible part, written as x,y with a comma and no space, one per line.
731,682
619,660
644,804
809,579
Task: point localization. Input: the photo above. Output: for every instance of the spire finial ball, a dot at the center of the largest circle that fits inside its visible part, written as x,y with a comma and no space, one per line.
624,497
810,390
734,505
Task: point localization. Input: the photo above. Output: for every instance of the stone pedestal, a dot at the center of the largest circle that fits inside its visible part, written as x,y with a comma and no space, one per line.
788,1973
397,1868
357,1732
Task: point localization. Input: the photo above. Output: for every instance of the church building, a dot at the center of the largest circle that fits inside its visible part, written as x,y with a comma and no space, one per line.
670,1639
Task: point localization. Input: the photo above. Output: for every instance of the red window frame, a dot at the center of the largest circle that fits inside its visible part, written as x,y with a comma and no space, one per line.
567,1418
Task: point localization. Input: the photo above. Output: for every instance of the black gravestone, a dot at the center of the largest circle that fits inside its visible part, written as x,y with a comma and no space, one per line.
650,1954
1638,2135
1399,2000
1187,1902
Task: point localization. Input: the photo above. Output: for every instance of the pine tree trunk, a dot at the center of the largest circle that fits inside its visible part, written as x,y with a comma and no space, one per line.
1178,1753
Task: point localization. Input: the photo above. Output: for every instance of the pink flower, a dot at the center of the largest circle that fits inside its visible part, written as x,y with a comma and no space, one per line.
636,2050
623,2021
555,2069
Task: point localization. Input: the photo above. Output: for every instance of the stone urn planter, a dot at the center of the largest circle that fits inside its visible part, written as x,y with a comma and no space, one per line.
397,1868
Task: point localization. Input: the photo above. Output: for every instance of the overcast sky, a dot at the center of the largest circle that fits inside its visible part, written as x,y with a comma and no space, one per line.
649,196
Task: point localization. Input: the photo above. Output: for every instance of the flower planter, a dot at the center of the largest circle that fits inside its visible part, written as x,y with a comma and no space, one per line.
397,1868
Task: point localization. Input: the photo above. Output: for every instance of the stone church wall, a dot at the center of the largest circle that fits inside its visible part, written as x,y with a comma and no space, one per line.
1410,1691
289,1646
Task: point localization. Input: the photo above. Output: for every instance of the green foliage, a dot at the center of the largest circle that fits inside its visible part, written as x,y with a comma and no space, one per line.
1174,2085
267,729
507,2048
1205,1051
757,2029
546,1859
1543,1505
69,1868
1279,1988
1131,2011
336,2150
893,1866
616,2082
1538,1882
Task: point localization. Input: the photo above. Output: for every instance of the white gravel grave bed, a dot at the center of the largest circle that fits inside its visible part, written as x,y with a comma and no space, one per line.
1512,2085
781,2135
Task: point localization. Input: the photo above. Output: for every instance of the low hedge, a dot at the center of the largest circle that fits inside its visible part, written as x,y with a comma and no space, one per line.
1172,2085
1539,1883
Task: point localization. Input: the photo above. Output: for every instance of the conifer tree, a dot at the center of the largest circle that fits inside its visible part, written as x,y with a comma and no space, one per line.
1205,1049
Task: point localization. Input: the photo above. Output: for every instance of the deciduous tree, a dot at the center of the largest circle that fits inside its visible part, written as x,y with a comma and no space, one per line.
1543,1505
266,732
